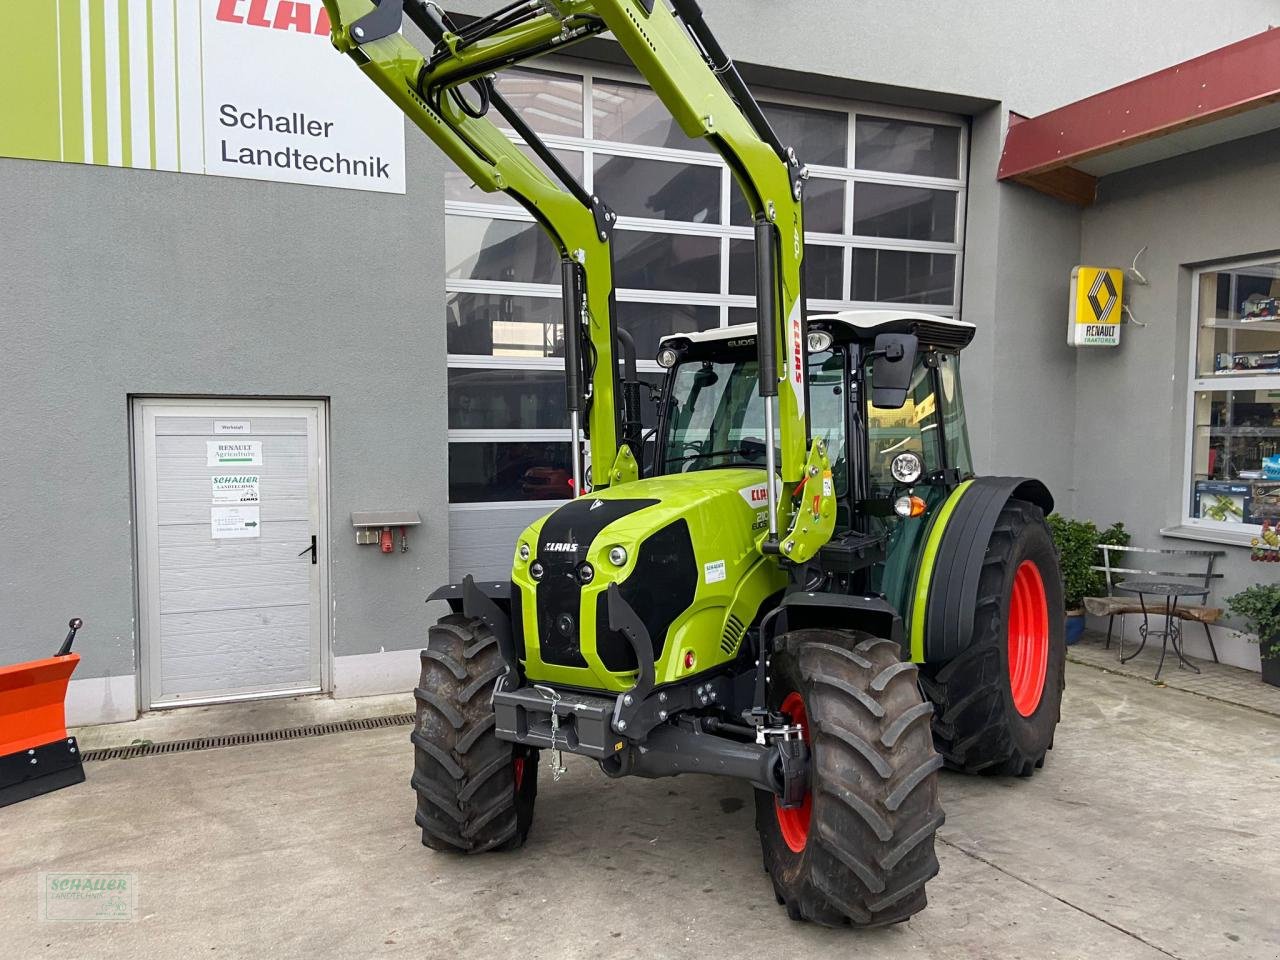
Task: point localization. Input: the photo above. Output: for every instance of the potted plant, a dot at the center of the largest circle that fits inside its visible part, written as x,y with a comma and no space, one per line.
1259,607
1077,542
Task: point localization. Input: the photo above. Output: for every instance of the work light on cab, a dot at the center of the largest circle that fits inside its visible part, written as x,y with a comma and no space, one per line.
906,468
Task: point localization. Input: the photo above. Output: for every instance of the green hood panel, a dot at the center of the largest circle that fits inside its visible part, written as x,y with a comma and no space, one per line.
725,513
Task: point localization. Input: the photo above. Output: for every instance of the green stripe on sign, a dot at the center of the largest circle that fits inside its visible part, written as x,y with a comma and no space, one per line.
126,98
98,78
29,109
71,68
928,557
151,80
236,460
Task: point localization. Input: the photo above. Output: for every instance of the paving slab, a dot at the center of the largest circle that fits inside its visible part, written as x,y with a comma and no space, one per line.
1151,833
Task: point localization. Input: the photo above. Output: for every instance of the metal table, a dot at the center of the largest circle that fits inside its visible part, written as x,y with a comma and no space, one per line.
1171,591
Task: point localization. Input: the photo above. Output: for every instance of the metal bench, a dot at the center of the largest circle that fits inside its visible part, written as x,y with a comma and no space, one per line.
1195,567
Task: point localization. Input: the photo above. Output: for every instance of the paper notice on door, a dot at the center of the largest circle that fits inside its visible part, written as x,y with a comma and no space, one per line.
225,453
233,523
235,488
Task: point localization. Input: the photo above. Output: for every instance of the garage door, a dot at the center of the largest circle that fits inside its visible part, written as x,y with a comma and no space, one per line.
229,500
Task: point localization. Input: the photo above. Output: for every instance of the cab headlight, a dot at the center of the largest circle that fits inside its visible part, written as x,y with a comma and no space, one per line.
906,468
819,341
667,357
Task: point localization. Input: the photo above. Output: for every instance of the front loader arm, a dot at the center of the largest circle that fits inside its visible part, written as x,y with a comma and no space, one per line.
426,89
681,60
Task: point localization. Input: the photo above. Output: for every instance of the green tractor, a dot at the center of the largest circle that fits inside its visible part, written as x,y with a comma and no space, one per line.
795,579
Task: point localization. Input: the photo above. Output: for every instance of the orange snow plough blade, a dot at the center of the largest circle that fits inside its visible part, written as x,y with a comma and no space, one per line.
36,754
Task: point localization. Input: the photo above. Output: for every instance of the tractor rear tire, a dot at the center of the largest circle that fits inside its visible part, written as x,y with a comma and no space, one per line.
475,792
999,702
861,849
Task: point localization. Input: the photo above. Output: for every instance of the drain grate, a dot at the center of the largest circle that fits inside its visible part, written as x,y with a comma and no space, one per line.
239,739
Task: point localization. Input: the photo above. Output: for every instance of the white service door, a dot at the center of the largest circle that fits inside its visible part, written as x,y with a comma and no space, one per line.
230,497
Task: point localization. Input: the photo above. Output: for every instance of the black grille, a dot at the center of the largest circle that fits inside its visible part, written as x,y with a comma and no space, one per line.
238,739
563,543
660,588
733,630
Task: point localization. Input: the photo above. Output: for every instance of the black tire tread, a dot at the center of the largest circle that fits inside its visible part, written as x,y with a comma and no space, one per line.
463,774
875,805
971,724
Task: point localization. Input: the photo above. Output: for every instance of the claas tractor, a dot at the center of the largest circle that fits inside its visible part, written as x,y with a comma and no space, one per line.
794,579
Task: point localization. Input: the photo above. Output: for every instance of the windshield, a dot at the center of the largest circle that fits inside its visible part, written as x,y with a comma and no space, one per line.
716,417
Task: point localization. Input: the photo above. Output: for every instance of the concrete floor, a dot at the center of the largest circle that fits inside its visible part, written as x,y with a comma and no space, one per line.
1152,832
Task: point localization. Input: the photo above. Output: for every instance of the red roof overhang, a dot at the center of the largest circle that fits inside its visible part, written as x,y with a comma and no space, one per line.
1226,94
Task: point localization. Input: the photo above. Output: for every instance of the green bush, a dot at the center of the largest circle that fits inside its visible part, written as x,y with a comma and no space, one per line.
1077,542
1259,607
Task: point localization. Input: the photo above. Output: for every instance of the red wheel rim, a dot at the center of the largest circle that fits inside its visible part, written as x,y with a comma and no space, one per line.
517,768
794,823
1028,638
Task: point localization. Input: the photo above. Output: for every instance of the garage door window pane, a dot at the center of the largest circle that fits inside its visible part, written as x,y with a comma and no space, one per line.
495,472
490,399
548,102
627,113
907,213
501,325
823,206
664,261
818,136
458,186
480,249
648,322
823,270
896,276
658,190
901,146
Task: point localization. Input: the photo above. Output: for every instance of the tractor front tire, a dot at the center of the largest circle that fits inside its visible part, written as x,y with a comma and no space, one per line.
475,792
999,702
860,850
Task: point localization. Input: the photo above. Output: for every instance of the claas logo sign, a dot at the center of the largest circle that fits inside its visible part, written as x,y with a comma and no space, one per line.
1097,304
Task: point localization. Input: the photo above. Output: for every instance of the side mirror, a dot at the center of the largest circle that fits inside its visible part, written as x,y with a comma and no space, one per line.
895,359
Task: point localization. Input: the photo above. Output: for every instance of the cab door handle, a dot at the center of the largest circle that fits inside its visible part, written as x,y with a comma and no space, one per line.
311,550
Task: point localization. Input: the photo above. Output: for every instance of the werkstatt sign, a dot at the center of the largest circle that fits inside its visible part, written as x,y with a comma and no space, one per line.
1097,304
236,88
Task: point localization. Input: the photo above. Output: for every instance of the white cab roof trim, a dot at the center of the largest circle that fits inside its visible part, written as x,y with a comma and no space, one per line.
859,319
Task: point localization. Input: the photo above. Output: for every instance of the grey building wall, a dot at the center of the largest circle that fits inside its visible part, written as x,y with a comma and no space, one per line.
1221,203
120,282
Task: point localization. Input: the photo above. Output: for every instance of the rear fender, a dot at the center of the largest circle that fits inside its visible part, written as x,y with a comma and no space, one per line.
946,588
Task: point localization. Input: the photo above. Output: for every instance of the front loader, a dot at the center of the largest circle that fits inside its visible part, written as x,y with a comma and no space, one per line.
803,585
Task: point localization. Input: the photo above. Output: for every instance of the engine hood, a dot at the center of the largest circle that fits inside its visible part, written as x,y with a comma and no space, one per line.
687,543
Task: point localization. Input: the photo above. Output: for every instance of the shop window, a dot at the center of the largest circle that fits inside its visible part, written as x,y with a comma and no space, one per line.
905,213
901,276
692,271
1235,398
666,261
901,146
513,250
659,190
500,471
550,103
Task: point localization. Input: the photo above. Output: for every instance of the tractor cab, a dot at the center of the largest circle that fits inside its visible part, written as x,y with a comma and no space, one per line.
883,392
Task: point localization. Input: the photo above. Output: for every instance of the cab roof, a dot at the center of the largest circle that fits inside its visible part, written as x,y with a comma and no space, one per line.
846,325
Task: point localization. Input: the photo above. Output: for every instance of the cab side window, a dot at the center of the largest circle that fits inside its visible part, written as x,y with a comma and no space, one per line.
911,429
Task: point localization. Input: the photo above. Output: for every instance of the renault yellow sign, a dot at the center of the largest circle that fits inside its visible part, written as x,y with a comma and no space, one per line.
1097,299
